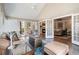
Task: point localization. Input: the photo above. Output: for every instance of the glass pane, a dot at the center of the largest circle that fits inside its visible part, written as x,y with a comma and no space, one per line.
49,27
76,28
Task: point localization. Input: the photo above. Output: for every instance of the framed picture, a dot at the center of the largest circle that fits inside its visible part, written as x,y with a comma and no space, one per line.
60,25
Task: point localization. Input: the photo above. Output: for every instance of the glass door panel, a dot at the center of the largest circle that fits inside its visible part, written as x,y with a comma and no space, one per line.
49,28
76,29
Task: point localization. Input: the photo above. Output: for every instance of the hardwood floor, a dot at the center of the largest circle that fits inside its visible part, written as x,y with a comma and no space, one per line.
2,51
63,40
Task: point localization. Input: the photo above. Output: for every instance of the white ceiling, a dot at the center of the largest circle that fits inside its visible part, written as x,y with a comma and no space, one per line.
36,11
23,10
52,10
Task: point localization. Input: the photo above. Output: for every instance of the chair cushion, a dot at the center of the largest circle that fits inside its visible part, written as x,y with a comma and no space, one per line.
57,48
4,43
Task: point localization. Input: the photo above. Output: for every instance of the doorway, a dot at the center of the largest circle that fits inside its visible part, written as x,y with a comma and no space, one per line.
42,29
63,30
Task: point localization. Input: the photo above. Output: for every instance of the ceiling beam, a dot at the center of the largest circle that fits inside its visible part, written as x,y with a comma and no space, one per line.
18,18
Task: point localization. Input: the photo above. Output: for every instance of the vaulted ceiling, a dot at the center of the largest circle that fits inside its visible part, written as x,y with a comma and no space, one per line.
37,11
23,10
59,9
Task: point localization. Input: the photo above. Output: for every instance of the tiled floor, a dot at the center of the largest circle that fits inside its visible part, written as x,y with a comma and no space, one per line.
74,50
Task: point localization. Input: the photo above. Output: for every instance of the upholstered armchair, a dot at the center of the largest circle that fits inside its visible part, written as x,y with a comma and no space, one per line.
4,43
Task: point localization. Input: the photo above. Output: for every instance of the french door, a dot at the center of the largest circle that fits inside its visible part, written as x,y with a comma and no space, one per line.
75,38
49,28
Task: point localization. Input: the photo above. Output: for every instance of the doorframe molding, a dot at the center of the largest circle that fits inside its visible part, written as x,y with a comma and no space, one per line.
72,25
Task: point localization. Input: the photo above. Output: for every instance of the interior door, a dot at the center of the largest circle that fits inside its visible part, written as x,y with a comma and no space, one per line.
49,28
76,29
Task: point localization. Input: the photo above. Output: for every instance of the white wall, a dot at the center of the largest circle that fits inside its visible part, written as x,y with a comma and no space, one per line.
1,15
10,25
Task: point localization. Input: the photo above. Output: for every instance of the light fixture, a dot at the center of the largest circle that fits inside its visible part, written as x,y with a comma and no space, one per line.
34,6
